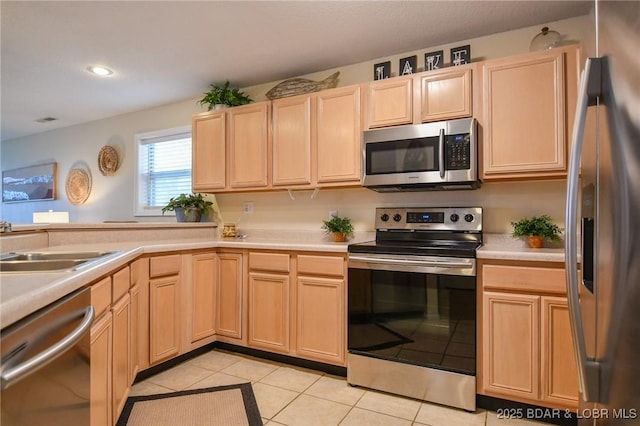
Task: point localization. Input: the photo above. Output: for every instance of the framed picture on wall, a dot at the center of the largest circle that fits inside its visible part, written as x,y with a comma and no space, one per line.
408,65
461,55
33,183
382,70
434,60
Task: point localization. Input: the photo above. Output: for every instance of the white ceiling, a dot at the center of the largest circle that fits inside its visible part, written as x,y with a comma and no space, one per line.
167,51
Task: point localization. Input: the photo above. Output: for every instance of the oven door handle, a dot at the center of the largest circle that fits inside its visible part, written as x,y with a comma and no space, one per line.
423,263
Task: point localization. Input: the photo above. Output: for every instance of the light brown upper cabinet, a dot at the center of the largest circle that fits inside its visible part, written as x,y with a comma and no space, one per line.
231,148
316,139
292,140
208,141
443,94
529,101
338,134
389,102
249,145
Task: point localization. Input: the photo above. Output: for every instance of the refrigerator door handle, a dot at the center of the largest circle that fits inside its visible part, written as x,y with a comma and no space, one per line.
588,369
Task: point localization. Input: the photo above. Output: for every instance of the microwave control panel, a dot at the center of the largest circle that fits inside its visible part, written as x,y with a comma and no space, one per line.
458,152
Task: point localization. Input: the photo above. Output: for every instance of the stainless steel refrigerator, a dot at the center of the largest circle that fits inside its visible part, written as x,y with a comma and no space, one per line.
603,219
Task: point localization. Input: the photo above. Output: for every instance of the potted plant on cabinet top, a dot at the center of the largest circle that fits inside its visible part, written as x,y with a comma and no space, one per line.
536,229
188,207
219,96
340,227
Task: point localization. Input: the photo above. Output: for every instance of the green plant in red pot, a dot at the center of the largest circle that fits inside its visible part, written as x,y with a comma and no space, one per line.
536,229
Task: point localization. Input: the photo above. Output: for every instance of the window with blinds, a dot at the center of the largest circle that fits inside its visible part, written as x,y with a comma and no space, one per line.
163,168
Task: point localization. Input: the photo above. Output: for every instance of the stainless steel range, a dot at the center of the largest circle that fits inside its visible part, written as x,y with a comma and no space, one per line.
412,305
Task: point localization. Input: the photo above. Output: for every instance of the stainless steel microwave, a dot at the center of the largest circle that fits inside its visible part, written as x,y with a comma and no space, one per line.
421,157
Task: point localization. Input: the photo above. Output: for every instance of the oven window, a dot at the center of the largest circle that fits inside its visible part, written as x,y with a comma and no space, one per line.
421,319
404,156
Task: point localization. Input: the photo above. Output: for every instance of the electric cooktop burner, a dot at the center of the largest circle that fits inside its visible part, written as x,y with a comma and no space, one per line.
425,231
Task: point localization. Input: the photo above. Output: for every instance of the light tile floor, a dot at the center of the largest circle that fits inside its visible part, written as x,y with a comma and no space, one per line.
292,396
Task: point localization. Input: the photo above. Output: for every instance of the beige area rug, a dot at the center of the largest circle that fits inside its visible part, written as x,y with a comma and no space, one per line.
232,405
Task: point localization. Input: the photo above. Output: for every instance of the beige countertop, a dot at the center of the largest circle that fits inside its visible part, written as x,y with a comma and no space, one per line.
23,293
505,247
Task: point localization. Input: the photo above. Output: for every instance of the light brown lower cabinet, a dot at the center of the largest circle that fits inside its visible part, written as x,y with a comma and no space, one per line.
121,353
321,316
559,377
229,296
134,325
511,343
203,296
269,311
164,307
527,351
101,413
320,330
297,305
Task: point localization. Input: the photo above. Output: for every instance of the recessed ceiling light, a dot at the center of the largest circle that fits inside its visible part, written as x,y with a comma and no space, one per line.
46,119
98,70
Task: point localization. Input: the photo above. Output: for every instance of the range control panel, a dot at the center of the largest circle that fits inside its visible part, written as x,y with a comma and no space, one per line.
429,218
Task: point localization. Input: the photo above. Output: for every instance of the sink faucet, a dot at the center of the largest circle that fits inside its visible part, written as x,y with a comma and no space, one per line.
5,226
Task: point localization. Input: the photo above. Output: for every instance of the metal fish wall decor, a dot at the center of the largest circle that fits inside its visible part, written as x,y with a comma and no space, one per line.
299,86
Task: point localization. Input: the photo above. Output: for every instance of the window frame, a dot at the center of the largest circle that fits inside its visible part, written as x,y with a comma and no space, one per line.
141,139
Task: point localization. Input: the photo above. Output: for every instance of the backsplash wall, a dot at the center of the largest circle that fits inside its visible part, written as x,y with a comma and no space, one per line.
502,202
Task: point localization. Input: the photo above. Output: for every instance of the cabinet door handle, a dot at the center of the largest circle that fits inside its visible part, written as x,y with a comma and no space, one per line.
588,369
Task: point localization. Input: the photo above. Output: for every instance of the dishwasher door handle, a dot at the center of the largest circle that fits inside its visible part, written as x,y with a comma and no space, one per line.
33,364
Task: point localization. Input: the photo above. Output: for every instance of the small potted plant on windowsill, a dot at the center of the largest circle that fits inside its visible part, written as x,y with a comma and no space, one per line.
188,207
340,227
220,96
536,229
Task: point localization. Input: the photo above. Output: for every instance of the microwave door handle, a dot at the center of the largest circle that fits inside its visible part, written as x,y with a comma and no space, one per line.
441,151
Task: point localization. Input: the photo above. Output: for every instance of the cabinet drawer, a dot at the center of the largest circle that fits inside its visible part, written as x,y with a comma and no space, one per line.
121,281
278,262
101,296
321,265
540,280
165,265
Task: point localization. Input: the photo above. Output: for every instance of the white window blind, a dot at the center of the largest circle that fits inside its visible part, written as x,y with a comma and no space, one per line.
163,168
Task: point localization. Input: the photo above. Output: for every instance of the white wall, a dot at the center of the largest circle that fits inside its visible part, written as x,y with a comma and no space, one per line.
112,196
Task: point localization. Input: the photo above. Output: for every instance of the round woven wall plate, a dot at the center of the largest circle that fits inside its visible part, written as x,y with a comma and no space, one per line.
108,160
78,186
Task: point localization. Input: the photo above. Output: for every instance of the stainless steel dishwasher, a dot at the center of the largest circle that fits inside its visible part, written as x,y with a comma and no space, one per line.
44,365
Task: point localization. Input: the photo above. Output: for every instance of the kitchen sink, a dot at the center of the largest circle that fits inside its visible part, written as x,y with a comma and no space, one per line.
60,255
49,261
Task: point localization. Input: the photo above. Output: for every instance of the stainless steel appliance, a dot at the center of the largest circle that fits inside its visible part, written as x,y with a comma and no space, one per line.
440,155
412,305
603,200
44,368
